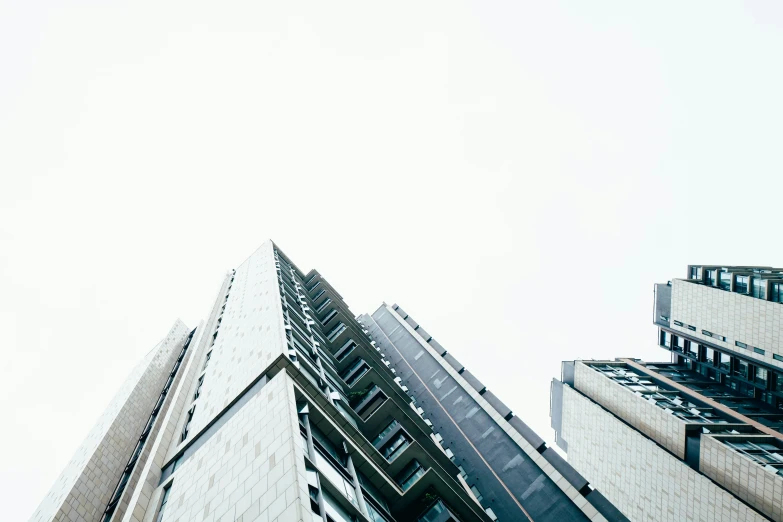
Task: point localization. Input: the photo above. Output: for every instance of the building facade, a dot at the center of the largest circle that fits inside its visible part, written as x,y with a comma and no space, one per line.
699,437
282,407
507,466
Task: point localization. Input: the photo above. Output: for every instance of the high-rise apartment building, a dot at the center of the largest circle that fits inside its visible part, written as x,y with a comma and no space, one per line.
282,407
508,467
699,437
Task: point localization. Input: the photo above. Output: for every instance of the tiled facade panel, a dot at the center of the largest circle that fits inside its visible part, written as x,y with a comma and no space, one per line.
84,487
743,477
149,470
251,470
640,478
646,417
737,317
250,337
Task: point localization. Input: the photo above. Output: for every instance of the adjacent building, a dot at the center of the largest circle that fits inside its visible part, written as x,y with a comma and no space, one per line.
281,406
509,469
699,437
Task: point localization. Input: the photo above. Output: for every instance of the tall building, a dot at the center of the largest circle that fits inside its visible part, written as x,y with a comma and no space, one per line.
508,467
699,437
280,407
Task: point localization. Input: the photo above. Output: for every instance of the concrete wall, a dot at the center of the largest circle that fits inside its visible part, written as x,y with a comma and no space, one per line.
745,478
643,480
250,337
664,428
84,488
251,470
738,317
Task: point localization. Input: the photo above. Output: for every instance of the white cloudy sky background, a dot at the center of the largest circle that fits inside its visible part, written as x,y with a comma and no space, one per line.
516,175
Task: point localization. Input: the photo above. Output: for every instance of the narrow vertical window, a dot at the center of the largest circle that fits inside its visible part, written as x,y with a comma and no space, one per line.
741,284
186,427
198,388
166,492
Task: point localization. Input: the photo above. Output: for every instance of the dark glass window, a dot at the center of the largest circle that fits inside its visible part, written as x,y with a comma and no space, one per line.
198,387
759,288
712,277
759,351
777,292
186,427
392,449
680,344
778,385
742,369
725,280
709,355
163,502
410,474
762,376
741,284
696,272
740,344
388,429
725,361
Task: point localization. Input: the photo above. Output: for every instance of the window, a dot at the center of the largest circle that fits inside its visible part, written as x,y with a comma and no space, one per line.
392,449
693,349
329,317
759,288
777,357
666,339
709,355
677,323
777,293
741,345
388,429
334,511
696,272
476,492
375,516
725,280
725,361
691,328
712,278
410,474
186,427
198,387
680,344
434,512
347,348
166,492
741,284
762,376
742,369
367,401
373,492
491,514
759,351
206,362
337,330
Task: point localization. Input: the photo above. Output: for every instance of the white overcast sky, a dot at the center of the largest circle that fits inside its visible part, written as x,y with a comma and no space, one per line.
515,174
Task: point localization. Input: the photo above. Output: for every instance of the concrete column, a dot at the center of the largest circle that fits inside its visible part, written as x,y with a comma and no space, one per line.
357,485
